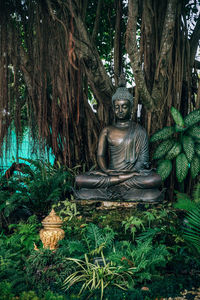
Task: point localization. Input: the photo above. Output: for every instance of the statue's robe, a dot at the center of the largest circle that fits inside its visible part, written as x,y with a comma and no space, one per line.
132,155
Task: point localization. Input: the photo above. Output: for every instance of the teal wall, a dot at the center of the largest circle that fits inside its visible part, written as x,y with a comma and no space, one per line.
25,150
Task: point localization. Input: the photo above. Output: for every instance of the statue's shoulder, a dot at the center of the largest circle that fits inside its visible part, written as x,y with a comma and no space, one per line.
105,131
139,128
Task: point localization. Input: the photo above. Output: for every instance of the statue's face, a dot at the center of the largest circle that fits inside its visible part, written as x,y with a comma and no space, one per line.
122,109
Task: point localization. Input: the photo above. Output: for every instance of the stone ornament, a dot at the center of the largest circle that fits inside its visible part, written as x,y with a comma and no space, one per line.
51,233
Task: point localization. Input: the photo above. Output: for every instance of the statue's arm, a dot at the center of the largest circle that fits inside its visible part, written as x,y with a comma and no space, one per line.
143,146
102,150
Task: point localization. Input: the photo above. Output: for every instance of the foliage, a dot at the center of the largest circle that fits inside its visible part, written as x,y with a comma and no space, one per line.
179,143
14,249
96,277
6,290
133,223
34,191
46,270
186,202
66,209
152,254
192,230
191,226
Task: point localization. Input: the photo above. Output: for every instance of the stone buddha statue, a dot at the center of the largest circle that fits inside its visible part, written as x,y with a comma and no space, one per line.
123,159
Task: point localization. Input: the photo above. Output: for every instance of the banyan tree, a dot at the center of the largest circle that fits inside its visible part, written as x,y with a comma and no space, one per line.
55,54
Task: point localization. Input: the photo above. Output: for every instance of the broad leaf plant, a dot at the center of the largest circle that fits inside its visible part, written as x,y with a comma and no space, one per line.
181,143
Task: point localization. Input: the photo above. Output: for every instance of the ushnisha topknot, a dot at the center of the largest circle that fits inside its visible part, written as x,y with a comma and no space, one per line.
122,92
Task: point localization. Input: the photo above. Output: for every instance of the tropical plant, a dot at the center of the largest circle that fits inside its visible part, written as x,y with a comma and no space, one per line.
144,256
6,290
96,277
133,223
66,209
181,143
45,185
14,248
192,228
46,269
34,191
187,202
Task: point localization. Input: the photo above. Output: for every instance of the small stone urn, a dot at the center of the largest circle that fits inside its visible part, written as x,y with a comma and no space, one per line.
51,233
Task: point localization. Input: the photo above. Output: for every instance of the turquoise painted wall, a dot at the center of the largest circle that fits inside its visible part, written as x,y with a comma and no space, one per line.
24,151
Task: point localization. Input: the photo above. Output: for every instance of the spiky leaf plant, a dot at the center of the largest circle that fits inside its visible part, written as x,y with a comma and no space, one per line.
192,231
181,143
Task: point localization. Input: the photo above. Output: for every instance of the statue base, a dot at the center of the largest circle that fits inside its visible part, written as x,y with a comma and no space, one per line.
119,195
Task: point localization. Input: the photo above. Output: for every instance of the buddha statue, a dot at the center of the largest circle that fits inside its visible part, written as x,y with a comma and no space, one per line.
123,160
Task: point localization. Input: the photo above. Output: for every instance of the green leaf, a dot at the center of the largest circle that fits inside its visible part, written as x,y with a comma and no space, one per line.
179,128
192,118
163,134
197,149
177,116
195,166
164,169
188,147
163,148
192,231
194,132
182,167
175,150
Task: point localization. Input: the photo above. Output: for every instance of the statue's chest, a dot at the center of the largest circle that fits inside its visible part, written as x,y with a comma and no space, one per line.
117,136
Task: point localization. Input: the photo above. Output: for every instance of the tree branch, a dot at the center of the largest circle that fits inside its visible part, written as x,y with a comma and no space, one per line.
132,49
194,42
97,19
87,52
117,42
197,64
166,45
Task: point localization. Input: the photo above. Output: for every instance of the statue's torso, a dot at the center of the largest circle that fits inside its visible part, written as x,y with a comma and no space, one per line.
116,146
115,135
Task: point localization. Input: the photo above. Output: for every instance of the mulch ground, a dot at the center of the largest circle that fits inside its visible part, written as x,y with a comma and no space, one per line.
194,294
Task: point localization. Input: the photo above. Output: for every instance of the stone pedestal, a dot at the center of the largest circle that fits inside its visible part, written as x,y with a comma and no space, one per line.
99,205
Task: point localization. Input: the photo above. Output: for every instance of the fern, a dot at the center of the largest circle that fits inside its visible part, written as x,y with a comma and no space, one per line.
97,239
76,247
192,231
148,234
184,202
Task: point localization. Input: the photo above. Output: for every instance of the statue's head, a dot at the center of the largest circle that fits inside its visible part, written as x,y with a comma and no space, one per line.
122,100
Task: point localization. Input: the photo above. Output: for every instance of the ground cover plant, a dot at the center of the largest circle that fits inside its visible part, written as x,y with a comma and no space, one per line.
138,254
32,190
